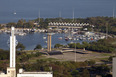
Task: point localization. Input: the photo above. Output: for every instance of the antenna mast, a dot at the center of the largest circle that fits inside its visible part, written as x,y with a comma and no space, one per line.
113,13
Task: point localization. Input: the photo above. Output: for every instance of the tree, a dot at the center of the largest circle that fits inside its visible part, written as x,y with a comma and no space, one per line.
4,55
30,24
20,46
75,73
9,25
58,46
85,73
20,23
0,26
101,70
111,58
38,47
90,62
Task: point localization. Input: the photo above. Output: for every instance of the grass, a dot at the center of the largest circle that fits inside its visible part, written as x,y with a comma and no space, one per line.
101,59
34,59
106,54
30,51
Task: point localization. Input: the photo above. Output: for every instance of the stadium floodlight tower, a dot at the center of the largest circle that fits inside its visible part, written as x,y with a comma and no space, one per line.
12,48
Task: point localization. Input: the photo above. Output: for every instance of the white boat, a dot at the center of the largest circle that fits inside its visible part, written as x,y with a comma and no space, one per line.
22,34
60,38
45,41
14,13
44,37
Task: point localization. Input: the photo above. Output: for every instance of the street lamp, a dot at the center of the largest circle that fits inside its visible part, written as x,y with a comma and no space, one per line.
75,50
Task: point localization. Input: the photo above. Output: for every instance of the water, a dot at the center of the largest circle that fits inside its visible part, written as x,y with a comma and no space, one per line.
31,40
28,9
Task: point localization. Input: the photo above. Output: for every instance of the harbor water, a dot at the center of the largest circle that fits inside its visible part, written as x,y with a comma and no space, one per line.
31,40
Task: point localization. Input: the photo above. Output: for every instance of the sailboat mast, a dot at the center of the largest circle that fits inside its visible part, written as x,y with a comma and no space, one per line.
113,12
73,16
60,16
39,16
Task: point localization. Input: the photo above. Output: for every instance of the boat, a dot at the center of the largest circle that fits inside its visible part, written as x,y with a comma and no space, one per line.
15,13
44,37
22,34
66,38
45,41
60,38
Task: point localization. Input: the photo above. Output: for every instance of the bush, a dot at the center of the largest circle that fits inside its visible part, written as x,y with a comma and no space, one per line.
20,46
90,62
38,47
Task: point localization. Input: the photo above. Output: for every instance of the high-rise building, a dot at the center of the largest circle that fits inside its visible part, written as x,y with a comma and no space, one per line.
11,71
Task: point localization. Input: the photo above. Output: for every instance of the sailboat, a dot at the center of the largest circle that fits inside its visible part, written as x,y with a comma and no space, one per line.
44,37
39,16
60,38
113,13
14,13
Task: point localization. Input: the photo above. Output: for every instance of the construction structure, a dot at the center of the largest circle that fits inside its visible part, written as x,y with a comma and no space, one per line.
49,42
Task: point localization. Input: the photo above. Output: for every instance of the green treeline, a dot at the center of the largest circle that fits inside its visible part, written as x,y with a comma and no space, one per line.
23,56
29,24
100,23
66,68
103,45
4,54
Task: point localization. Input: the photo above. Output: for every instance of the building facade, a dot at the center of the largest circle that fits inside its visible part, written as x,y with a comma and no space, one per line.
34,74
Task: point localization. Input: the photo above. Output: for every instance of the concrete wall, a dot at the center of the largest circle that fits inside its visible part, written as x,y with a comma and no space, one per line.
10,73
114,67
4,75
34,75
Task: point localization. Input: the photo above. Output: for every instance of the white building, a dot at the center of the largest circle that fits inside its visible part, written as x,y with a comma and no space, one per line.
34,74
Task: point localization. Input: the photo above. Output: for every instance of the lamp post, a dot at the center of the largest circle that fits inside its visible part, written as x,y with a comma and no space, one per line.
75,51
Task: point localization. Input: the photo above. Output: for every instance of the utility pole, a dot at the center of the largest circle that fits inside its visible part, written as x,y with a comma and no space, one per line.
75,53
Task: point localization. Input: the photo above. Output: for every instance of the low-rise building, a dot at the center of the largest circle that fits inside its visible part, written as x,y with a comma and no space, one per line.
22,73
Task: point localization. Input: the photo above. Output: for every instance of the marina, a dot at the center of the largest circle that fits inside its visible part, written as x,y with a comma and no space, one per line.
31,39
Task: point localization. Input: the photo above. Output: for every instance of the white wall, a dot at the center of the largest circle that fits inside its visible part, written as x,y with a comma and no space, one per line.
34,75
114,67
